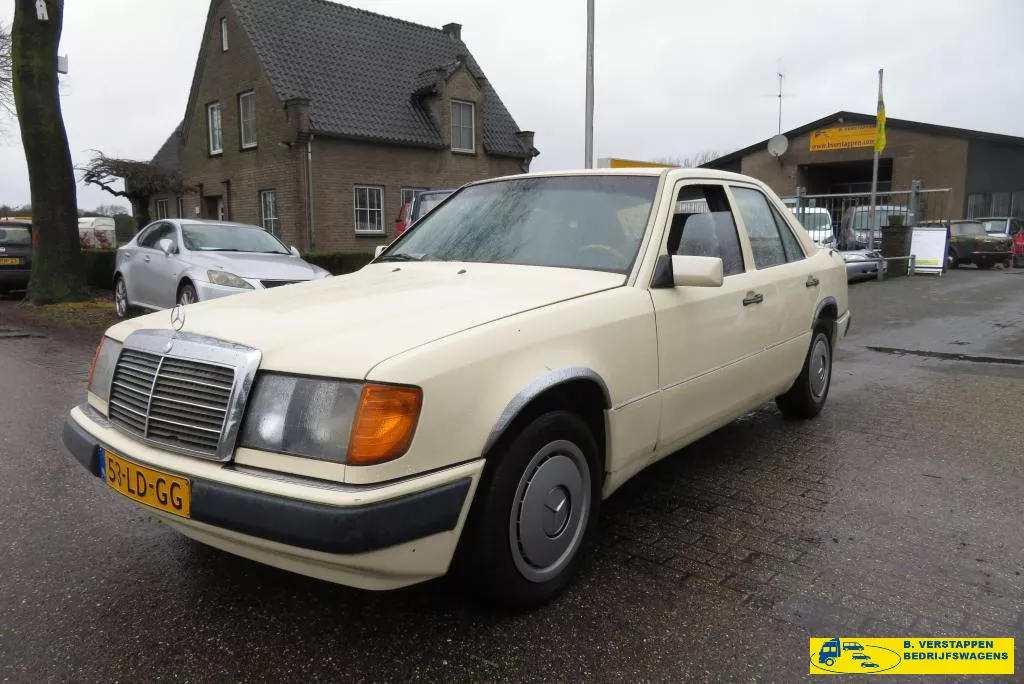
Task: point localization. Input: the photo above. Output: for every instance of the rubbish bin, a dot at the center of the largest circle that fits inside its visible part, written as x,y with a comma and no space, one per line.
896,239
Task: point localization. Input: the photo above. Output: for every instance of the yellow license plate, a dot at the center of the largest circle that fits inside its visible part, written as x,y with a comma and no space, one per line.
10,261
162,491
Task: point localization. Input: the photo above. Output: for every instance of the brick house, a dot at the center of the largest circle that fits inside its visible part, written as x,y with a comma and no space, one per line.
317,120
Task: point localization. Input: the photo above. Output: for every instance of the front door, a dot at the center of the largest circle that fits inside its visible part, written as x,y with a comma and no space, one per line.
709,338
214,207
145,280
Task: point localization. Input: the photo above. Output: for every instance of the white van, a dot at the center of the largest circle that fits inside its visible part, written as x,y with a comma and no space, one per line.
97,232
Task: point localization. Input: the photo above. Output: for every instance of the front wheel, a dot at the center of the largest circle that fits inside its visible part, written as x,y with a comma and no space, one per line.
121,306
807,396
952,260
534,512
187,295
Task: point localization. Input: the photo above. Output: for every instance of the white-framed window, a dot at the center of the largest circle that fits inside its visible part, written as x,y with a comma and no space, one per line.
181,206
409,194
268,211
214,128
369,203
161,209
247,119
223,34
463,126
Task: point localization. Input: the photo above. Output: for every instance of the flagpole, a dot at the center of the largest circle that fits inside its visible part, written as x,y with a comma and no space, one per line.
588,144
874,172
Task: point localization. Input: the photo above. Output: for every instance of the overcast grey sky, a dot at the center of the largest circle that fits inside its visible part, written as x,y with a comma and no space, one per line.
672,77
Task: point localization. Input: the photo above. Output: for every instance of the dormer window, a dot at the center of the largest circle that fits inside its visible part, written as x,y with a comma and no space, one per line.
223,34
463,127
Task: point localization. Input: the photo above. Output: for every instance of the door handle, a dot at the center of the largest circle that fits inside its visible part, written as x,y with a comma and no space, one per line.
811,281
146,259
753,298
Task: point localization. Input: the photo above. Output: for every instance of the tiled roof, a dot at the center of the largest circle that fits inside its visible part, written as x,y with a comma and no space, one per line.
168,157
360,71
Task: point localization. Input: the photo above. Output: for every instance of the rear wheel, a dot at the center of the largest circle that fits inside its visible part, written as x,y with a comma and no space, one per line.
807,396
534,512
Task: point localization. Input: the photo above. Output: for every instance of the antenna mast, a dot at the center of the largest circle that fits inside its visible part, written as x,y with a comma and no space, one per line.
781,76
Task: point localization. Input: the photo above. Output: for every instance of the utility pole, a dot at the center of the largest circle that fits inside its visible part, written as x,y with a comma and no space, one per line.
589,125
874,171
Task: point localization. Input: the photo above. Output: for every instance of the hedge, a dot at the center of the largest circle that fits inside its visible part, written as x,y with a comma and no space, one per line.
99,264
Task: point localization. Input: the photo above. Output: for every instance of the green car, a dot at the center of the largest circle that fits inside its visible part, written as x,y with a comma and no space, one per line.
970,244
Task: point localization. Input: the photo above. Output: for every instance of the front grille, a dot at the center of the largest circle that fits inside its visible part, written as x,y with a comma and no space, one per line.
278,283
179,403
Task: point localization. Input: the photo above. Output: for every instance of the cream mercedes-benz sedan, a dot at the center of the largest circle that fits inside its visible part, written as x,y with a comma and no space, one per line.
467,400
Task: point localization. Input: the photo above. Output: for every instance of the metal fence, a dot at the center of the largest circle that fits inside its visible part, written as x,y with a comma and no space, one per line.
850,222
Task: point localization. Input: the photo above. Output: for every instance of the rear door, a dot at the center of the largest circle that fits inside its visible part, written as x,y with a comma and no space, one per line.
788,274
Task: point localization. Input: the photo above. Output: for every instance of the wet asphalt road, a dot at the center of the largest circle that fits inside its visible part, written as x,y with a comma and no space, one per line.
896,513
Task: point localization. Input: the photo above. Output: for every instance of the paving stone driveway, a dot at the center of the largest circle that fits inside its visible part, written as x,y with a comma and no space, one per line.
896,513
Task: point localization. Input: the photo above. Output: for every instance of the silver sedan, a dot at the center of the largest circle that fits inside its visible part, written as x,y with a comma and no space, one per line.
181,261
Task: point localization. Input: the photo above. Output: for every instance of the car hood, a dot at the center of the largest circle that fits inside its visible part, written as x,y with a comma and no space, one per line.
255,266
345,325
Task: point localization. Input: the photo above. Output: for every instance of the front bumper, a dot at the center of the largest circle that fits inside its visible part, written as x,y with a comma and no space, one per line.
15,278
373,537
857,270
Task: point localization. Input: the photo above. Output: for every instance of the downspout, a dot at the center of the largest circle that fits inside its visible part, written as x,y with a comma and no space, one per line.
310,201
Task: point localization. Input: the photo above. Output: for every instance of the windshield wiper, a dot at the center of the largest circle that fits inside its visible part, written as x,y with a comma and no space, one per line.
403,257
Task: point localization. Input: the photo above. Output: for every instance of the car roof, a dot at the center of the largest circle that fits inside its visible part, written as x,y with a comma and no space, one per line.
996,218
206,222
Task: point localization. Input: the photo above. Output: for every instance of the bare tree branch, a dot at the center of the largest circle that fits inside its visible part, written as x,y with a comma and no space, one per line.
6,73
142,180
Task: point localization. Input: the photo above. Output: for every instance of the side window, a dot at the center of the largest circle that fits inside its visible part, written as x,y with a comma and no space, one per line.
702,225
156,234
762,231
789,242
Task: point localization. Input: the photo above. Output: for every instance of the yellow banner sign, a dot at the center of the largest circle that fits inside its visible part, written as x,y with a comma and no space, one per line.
842,138
613,163
911,656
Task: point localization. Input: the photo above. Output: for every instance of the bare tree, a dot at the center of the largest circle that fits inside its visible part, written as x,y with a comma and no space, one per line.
142,180
691,161
6,74
58,272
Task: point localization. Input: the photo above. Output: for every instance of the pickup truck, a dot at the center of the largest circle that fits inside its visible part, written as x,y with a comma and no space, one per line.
466,401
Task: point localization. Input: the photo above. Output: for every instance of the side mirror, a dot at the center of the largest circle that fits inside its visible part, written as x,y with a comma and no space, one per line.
379,250
696,271
294,250
166,246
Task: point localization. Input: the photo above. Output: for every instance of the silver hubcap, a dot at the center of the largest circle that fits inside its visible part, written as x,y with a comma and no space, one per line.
186,297
550,511
820,366
121,298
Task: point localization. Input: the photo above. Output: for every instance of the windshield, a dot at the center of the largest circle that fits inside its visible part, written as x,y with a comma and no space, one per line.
590,222
208,237
20,236
814,220
995,226
429,200
973,228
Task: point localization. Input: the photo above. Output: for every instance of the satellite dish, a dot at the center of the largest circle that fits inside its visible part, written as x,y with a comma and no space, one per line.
778,145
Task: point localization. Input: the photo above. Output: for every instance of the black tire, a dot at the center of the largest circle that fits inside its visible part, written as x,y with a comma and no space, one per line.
807,396
187,294
952,260
497,555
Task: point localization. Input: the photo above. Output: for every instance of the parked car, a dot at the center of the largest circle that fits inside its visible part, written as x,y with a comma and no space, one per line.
468,398
856,230
862,264
185,261
425,202
970,244
15,254
817,221
1011,226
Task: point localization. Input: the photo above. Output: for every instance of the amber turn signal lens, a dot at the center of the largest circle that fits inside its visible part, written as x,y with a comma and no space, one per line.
384,424
95,357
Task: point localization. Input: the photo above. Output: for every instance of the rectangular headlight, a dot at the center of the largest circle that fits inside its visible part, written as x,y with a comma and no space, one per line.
103,367
301,416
